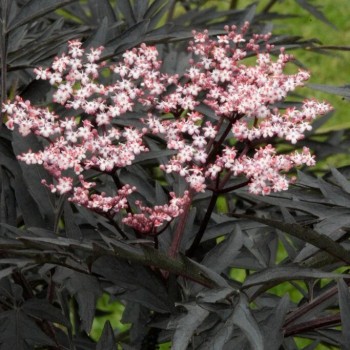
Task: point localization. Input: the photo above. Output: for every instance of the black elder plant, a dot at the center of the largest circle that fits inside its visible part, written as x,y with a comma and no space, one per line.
163,175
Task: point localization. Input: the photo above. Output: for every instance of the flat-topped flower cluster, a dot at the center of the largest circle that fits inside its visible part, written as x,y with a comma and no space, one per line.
242,99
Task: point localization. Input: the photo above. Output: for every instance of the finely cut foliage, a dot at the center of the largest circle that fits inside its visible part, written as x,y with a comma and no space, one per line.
163,158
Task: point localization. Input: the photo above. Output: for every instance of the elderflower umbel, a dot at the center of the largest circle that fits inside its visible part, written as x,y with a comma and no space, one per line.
242,99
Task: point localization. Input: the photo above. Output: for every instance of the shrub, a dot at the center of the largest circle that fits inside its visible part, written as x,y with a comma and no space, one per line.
154,174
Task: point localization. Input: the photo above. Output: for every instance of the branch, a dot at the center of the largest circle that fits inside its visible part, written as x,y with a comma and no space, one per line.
233,188
218,144
234,4
116,226
307,235
305,308
147,256
180,228
203,226
171,11
268,7
332,320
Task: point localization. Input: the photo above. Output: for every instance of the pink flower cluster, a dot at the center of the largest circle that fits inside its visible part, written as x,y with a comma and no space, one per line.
150,219
242,99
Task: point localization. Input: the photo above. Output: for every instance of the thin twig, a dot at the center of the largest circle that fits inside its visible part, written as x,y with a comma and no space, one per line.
310,325
268,7
330,47
117,227
218,144
156,242
204,224
233,188
175,244
211,142
305,308
217,190
234,4
171,11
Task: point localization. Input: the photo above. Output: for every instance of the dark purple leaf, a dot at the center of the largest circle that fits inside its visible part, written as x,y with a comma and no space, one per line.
140,8
243,318
341,180
272,326
35,9
85,289
72,229
106,340
278,274
34,174
8,213
140,284
102,9
315,11
27,205
133,36
335,90
223,254
99,38
19,332
186,325
126,8
42,309
344,304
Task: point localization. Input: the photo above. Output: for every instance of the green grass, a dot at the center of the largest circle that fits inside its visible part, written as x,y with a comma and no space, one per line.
333,69
325,69
113,313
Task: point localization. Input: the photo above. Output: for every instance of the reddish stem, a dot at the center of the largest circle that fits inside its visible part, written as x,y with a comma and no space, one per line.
175,244
322,322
